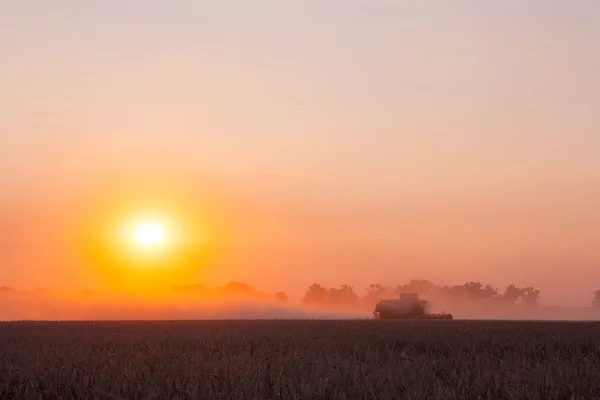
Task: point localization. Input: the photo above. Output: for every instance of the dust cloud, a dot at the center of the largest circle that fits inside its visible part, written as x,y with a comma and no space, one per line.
236,300
177,304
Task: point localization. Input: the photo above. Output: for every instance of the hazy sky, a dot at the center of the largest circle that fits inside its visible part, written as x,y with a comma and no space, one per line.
350,141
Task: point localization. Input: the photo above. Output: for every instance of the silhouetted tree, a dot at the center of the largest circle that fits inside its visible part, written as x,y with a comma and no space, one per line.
472,289
375,292
530,296
467,292
344,296
375,289
489,292
512,294
281,296
476,290
596,302
443,290
238,288
458,291
260,294
315,295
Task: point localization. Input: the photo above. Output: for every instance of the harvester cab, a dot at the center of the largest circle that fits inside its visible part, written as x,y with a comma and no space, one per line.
407,306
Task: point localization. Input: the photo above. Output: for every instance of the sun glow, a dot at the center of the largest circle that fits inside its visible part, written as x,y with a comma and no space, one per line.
149,234
143,240
150,237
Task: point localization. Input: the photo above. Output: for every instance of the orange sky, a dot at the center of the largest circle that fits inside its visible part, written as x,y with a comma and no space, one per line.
336,142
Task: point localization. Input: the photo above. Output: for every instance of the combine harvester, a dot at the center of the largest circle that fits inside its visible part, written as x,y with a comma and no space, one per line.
408,306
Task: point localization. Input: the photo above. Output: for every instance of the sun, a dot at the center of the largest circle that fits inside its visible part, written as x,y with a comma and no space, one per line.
149,234
143,240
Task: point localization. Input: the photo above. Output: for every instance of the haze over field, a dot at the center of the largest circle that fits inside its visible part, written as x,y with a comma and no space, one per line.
145,146
237,300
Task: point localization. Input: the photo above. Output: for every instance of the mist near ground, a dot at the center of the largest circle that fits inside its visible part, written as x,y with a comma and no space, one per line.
175,304
236,300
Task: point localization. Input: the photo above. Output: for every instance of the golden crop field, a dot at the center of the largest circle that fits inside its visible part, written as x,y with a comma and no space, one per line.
300,360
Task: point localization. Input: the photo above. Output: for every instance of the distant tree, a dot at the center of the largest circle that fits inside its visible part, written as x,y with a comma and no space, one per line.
443,290
7,292
260,294
489,292
511,294
530,296
238,288
375,292
315,295
476,290
473,289
281,296
375,289
344,296
596,302
458,291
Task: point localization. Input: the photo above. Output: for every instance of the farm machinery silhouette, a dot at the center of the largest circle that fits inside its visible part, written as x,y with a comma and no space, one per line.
408,306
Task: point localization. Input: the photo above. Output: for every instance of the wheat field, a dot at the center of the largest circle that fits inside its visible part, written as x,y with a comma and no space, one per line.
300,360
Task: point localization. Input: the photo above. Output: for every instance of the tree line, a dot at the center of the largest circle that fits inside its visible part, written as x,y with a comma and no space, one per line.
347,296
